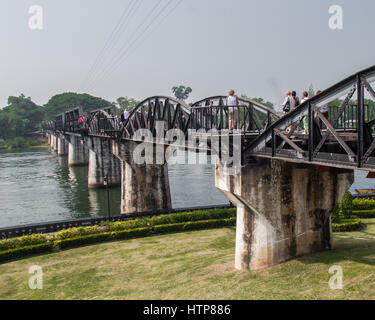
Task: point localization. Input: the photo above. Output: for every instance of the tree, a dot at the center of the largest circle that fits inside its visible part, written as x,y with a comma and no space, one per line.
66,101
311,91
346,205
21,116
260,100
126,103
181,92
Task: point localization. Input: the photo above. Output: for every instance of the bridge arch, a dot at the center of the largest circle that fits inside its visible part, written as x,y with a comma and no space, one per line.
175,113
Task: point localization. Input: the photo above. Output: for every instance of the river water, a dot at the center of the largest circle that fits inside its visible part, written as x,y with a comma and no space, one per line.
37,186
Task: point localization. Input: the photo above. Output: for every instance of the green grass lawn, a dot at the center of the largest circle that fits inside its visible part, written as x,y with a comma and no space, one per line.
192,265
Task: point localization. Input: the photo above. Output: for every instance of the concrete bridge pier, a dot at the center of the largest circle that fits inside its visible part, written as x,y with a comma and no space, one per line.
62,146
144,188
53,143
283,209
102,162
78,154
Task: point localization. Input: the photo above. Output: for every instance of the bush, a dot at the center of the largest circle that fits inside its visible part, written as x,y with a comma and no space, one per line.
82,240
25,251
174,218
142,232
347,225
346,205
363,204
365,214
24,241
344,209
79,232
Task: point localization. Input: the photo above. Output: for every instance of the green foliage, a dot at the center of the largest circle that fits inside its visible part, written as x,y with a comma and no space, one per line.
126,103
82,240
148,222
20,143
142,232
346,205
196,220
22,252
79,232
364,214
20,117
66,101
347,225
259,100
363,204
336,214
24,241
181,92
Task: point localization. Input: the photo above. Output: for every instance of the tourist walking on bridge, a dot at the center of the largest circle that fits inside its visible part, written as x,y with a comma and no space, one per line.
232,103
289,103
296,99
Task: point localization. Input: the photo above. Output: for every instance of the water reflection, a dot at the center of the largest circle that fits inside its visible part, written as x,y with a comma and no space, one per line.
37,186
79,199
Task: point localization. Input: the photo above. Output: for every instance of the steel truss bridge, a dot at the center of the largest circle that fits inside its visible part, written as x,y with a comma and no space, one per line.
344,139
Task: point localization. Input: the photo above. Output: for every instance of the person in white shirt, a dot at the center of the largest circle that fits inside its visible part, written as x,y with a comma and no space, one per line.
232,103
289,103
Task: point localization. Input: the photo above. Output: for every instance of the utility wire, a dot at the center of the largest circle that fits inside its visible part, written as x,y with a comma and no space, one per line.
153,29
111,41
125,48
100,68
156,27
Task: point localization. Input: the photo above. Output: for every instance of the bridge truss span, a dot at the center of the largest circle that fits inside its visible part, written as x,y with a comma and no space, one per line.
248,117
174,113
103,124
341,137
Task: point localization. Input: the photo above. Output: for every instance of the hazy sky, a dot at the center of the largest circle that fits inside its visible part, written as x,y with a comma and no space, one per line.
259,48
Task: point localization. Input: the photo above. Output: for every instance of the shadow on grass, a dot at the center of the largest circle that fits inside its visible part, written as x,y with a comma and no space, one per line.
356,247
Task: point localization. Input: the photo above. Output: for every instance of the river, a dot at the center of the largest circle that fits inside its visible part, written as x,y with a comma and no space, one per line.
37,186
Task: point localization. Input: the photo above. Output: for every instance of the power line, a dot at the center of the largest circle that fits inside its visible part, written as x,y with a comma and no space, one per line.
125,49
101,52
133,9
100,68
111,41
160,22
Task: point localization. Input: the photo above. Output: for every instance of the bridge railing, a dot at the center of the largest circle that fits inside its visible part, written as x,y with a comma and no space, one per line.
60,122
101,123
72,119
243,117
49,126
344,139
348,121
249,116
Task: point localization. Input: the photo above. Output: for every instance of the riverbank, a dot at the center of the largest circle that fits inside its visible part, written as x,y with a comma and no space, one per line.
23,144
